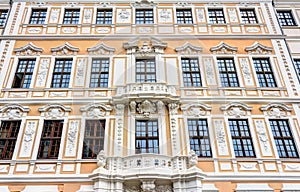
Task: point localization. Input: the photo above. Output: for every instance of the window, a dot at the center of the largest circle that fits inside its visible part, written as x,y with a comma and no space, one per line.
3,16
104,16
93,138
184,16
297,66
145,70
23,74
144,16
61,73
199,137
50,140
286,18
227,73
146,137
241,138
264,73
216,16
283,139
71,16
38,16
8,137
248,16
191,72
99,73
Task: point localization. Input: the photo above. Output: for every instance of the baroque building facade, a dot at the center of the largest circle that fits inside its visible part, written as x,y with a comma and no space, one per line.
145,96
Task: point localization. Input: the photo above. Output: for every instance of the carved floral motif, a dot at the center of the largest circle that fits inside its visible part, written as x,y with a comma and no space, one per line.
146,108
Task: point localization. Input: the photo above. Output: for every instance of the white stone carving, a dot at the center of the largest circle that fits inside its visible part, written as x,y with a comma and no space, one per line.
160,107
186,29
148,186
277,110
248,166
42,73
258,48
183,4
221,138
188,49
164,15
13,111
72,4
232,15
87,15
28,50
54,111
173,108
105,4
291,166
271,93
119,127
54,15
16,94
72,139
96,110
34,30
132,188
253,29
150,46
145,29
101,157
123,16
223,48
219,29
209,71
101,49
200,15
193,158
164,188
195,110
3,168
29,135
45,168
69,29
143,4
236,109
146,108
98,94
263,138
58,94
103,30
65,49
80,71
246,71
132,106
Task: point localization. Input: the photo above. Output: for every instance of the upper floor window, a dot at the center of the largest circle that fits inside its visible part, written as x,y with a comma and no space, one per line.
248,16
61,73
38,16
99,73
146,136
283,138
297,66
104,16
216,16
23,74
145,70
71,16
264,73
191,72
184,16
144,16
286,18
227,72
3,17
8,137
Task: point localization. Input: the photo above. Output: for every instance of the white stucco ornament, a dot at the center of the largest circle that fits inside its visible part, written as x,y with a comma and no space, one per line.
193,159
101,157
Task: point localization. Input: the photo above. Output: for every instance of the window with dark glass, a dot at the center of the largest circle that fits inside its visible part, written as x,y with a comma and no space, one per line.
227,72
8,138
94,135
38,16
71,16
283,138
241,138
216,16
199,137
23,74
286,18
50,140
184,16
191,72
104,16
264,72
297,66
61,73
248,16
99,73
144,16
145,70
3,17
146,137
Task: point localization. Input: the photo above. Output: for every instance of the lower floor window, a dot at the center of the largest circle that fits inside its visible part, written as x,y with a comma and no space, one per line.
146,136
8,136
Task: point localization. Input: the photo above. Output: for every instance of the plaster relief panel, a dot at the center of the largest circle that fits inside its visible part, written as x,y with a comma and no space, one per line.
42,72
246,71
232,15
201,15
45,168
209,71
263,138
72,136
54,15
28,139
87,15
221,138
80,72
123,15
165,16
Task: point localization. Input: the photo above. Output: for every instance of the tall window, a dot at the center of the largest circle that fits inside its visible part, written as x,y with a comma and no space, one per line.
61,73
146,137
241,138
191,72
297,66
286,18
145,70
283,138
264,73
184,16
23,74
71,16
248,16
8,137
38,16
104,16
93,138
227,72
3,17
144,16
99,73
50,140
199,137
216,16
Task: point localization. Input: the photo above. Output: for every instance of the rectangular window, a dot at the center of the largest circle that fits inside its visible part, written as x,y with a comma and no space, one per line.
99,73
283,139
191,72
146,137
216,16
199,137
3,17
145,70
184,16
264,72
50,140
297,66
94,135
38,16
227,72
71,16
144,16
61,73
248,16
241,138
286,18
8,138
104,16
23,74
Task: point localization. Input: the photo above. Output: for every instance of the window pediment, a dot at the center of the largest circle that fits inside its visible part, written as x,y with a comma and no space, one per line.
196,110
65,49
13,111
276,109
236,109
101,49
258,48
188,49
223,48
144,4
54,111
28,50
145,46
96,110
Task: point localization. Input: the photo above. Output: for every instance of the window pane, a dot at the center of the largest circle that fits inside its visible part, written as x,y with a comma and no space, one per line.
146,137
